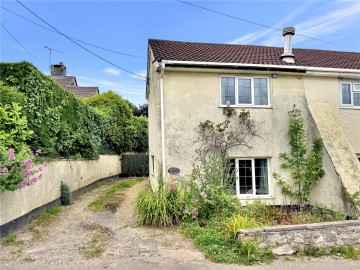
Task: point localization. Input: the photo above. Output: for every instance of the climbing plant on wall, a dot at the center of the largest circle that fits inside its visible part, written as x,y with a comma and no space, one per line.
305,165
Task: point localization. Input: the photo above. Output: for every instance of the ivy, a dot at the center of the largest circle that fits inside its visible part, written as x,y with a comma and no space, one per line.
65,126
305,165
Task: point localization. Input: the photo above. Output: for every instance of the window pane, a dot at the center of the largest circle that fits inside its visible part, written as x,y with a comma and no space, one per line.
244,89
356,87
228,91
356,99
230,177
261,177
261,91
245,177
345,93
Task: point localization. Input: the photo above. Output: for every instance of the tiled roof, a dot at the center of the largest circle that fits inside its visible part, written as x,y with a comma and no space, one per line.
83,91
250,54
69,83
65,81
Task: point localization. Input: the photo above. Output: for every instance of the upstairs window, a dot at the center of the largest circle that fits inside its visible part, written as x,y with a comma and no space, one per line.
350,94
244,91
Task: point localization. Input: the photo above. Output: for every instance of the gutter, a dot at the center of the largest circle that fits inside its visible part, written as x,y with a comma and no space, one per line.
163,167
292,68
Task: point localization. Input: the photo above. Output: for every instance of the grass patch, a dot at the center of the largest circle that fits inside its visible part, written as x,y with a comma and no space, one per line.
9,240
347,252
112,197
48,216
28,259
217,248
94,248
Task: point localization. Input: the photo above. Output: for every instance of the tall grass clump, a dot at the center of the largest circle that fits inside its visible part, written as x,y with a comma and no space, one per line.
159,208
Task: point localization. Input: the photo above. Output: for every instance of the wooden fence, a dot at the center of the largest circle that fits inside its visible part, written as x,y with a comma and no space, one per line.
133,164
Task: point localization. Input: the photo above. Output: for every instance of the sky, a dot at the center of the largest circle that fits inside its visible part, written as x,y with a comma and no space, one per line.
124,27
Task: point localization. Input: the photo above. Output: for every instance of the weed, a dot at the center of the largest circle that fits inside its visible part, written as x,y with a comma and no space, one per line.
348,252
212,242
94,247
313,251
288,259
9,240
237,222
28,259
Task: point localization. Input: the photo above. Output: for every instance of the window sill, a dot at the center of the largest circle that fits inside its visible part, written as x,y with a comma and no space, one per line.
246,107
349,108
253,197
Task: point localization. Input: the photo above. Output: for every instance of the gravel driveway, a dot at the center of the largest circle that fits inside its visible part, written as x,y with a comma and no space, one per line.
126,245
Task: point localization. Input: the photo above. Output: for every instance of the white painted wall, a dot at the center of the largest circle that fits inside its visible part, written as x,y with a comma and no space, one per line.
76,174
192,96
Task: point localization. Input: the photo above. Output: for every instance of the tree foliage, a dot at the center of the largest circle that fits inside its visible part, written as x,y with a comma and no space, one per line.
305,165
125,132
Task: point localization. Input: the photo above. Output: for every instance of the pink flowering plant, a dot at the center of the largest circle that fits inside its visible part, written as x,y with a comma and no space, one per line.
18,170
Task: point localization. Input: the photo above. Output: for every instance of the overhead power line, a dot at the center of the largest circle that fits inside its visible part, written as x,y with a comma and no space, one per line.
96,46
15,39
252,22
81,46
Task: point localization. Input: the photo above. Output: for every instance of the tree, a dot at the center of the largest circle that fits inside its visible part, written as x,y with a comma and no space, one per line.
123,131
142,111
306,166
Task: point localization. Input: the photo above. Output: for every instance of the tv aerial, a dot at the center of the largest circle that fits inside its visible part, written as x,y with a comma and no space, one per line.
50,50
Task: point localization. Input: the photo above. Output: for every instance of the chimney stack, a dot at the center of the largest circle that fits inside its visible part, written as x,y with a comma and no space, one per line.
58,69
288,56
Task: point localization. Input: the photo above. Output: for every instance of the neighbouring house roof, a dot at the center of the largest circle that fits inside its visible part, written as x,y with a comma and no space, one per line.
65,81
83,91
250,54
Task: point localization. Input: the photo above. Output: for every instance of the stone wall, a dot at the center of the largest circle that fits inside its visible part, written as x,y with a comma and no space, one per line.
286,240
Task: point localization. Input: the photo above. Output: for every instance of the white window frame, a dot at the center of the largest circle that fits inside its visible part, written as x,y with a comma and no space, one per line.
352,91
237,104
253,195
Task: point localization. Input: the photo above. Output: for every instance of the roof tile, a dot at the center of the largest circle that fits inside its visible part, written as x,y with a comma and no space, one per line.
250,54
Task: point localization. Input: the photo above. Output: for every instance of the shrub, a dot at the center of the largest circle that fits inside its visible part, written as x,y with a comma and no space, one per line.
65,194
18,171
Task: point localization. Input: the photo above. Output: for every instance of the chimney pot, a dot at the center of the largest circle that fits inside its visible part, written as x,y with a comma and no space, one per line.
288,30
288,56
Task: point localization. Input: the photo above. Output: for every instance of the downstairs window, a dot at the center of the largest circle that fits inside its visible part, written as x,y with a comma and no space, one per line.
251,176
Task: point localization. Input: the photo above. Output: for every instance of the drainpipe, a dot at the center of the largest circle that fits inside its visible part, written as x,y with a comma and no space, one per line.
163,167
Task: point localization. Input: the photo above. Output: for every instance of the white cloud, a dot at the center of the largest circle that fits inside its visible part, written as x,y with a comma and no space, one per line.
323,25
330,22
251,37
112,71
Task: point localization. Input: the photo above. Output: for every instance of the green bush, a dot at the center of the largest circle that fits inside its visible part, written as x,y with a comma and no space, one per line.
123,131
65,194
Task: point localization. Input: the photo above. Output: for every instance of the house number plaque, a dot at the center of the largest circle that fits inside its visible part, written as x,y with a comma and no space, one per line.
174,170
